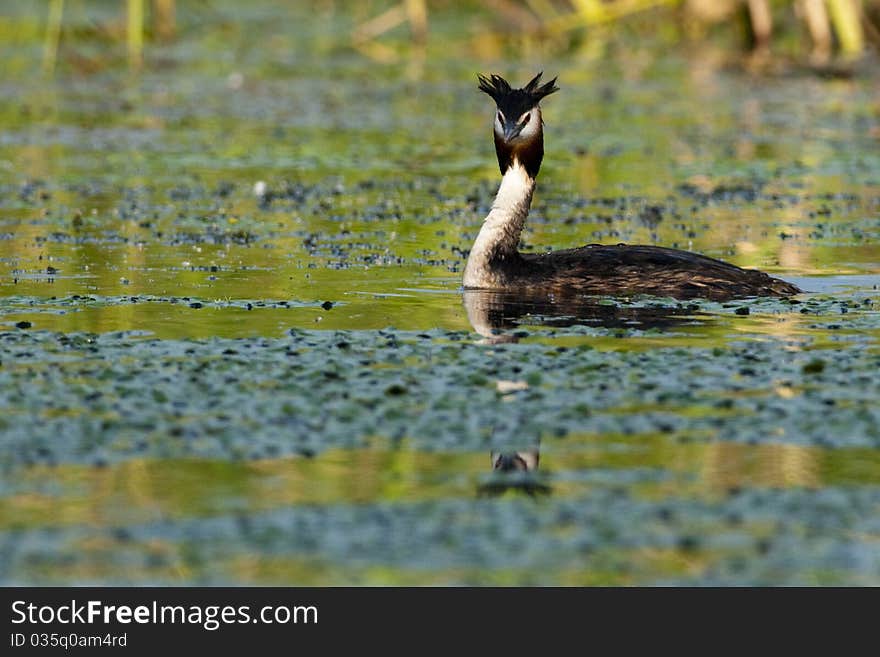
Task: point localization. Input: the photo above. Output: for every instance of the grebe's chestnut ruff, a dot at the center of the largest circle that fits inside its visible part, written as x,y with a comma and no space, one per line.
494,263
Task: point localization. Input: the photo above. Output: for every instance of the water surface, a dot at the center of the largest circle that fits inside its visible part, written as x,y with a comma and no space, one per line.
206,384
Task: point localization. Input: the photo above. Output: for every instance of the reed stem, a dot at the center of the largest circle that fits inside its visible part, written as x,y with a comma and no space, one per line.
53,35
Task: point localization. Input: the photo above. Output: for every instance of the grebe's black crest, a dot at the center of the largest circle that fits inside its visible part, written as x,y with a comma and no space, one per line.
516,101
519,135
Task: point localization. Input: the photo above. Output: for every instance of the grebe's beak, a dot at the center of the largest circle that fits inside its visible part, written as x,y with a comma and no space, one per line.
511,131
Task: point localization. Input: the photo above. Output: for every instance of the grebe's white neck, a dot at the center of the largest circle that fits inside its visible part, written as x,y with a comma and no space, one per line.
499,236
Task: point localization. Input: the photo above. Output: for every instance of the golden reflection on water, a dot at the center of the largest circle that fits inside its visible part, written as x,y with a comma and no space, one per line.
729,465
143,490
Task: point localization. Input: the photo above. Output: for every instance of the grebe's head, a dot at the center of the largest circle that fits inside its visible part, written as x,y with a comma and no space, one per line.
518,122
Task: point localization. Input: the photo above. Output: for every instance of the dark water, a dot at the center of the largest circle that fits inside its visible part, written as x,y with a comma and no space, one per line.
207,384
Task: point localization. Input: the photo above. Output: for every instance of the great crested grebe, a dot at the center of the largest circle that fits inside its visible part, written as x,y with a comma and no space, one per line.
494,263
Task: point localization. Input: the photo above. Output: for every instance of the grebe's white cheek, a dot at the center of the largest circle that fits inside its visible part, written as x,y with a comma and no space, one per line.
530,458
531,128
499,129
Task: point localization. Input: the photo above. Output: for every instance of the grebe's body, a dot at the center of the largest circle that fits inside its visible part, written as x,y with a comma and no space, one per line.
495,263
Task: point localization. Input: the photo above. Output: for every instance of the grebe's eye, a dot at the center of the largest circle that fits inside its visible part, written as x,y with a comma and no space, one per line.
500,118
525,118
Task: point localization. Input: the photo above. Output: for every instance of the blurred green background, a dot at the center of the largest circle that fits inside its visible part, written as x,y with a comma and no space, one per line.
84,36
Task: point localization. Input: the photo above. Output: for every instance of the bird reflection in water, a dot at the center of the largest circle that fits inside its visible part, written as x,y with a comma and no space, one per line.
496,316
514,471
